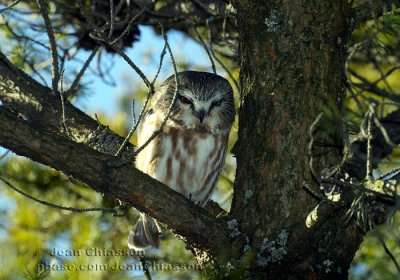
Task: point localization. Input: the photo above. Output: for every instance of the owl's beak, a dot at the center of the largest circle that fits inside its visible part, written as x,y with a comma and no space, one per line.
200,115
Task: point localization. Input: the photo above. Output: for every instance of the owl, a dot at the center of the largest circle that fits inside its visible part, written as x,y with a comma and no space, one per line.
189,154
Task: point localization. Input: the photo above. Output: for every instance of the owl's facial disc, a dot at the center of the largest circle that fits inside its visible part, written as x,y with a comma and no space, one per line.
195,112
204,101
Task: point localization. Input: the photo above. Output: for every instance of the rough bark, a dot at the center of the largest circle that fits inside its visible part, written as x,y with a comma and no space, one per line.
292,58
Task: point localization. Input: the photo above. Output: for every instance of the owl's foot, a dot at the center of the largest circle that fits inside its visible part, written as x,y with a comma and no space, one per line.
195,202
190,197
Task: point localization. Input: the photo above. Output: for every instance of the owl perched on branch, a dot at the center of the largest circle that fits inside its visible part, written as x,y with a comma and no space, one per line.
189,154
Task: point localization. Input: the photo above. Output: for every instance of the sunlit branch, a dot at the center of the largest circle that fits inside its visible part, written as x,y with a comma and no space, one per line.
55,206
206,49
78,77
169,111
44,9
9,6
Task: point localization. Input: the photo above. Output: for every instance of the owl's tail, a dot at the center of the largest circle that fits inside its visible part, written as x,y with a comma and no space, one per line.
144,234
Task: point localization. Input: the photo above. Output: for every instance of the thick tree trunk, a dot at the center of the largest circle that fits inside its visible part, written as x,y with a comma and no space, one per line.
292,62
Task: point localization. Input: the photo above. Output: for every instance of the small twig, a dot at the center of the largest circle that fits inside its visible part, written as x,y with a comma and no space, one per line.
9,6
372,87
120,5
387,251
353,207
352,53
133,112
4,155
53,45
211,12
97,119
83,11
23,37
131,63
383,76
315,194
151,88
396,104
220,61
369,146
163,52
369,10
310,148
62,63
383,130
388,175
97,32
73,209
113,44
226,198
146,270
355,96
159,130
128,27
360,186
63,119
78,77
205,8
131,131
135,123
206,49
112,20
105,74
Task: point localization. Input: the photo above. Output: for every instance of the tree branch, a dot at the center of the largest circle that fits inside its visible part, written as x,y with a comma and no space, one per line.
37,103
381,149
356,166
108,175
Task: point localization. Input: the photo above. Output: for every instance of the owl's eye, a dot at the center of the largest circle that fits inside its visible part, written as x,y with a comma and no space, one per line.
185,100
216,103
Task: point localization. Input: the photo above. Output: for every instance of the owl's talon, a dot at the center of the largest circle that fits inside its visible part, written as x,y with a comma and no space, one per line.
190,196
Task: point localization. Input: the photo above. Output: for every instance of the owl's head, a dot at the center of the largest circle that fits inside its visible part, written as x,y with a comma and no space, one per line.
204,100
